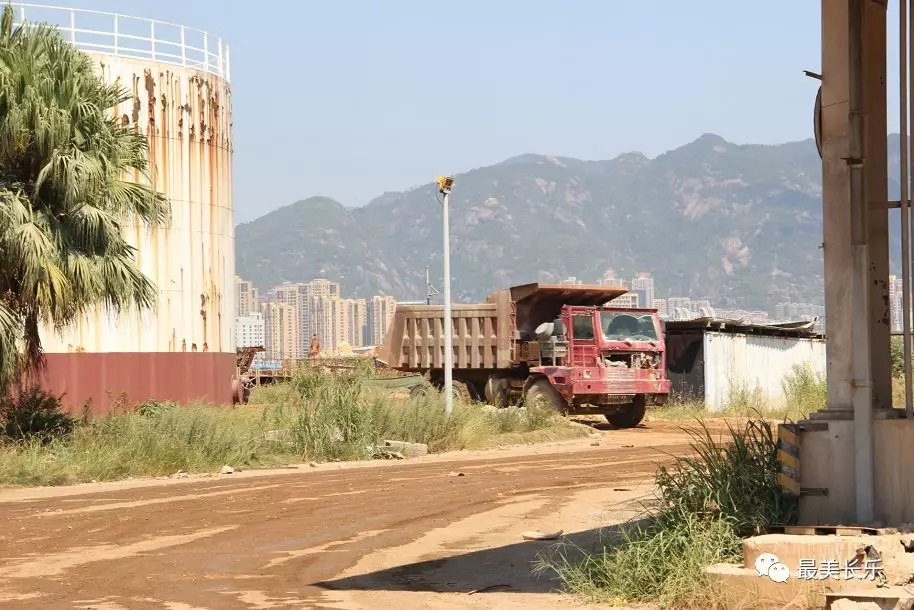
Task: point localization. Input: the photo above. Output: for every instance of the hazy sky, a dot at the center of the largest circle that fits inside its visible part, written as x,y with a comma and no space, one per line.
348,98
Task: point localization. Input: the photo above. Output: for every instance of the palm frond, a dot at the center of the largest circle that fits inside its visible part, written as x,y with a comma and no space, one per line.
65,192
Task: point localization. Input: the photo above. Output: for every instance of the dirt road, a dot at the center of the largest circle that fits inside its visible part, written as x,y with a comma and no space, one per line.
401,535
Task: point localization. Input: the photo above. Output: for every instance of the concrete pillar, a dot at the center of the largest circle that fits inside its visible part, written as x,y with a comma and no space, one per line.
874,76
836,219
864,329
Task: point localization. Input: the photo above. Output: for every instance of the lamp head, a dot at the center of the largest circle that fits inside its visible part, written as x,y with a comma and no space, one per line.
444,184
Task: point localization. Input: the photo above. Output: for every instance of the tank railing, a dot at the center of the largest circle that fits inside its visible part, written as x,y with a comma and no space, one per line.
148,40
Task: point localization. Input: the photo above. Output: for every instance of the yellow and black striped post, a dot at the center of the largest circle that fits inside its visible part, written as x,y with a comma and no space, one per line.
789,457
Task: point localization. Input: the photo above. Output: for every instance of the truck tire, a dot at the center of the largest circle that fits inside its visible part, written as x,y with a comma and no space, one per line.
630,416
418,391
496,391
461,390
542,392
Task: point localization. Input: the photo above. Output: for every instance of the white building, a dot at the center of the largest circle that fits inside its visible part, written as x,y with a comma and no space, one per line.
249,330
718,361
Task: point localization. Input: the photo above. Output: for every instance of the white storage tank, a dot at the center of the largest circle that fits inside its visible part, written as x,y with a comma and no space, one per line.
178,78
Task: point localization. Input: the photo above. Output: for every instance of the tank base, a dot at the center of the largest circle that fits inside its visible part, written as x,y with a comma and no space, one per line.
106,381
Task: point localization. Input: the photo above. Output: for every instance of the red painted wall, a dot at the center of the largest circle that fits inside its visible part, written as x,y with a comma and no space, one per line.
183,377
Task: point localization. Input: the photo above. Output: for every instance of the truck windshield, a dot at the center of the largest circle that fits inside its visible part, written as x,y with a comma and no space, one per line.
619,326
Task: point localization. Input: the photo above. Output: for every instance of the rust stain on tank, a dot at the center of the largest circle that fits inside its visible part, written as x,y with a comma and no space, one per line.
203,300
150,85
136,101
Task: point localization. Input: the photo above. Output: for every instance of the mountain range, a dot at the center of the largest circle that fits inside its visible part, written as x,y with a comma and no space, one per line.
739,224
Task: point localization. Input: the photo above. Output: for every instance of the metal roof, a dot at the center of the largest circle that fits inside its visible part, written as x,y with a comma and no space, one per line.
802,329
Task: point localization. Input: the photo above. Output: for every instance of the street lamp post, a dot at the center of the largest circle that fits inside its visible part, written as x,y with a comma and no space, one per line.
444,187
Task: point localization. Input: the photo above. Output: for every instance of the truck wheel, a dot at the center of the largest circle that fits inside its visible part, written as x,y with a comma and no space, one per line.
458,388
496,391
630,416
462,391
418,391
542,393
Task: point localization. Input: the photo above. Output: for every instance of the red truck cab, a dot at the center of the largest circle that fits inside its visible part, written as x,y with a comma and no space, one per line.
605,360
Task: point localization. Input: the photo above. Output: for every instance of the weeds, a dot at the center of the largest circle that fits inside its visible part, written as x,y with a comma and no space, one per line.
649,564
736,480
706,503
804,392
314,418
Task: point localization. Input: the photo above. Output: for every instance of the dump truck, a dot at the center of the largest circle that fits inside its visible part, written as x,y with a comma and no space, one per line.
555,344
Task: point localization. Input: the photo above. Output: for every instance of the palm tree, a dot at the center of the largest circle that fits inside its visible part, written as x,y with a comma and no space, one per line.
68,183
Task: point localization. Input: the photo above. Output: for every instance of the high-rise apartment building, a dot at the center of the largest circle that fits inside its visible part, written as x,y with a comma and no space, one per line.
643,286
281,333
298,295
380,313
245,297
324,288
249,330
326,317
355,325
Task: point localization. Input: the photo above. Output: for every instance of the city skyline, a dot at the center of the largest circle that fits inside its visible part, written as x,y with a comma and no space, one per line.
284,319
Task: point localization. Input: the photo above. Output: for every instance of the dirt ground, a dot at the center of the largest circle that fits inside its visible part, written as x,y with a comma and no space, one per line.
406,535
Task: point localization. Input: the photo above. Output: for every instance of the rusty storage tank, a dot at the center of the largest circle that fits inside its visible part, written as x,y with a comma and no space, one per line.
181,101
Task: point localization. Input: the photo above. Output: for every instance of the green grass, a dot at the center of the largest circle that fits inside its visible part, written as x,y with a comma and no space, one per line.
314,418
705,505
804,391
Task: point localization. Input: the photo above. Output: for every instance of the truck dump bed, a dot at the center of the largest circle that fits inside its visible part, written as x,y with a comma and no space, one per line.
484,334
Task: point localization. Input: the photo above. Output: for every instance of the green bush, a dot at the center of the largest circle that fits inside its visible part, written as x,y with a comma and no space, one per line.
33,413
154,407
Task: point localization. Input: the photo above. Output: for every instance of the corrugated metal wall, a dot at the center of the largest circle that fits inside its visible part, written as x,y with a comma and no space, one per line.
186,115
735,363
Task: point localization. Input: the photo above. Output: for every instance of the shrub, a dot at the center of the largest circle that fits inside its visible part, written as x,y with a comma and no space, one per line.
154,407
33,413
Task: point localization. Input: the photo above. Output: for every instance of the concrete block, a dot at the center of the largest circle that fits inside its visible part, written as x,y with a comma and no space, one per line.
407,449
741,588
790,549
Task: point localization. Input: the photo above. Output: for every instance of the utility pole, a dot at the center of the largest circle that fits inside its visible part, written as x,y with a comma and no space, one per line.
444,187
